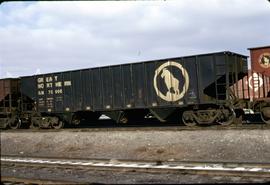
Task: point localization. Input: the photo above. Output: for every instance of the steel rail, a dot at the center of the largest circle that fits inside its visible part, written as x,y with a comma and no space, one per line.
227,168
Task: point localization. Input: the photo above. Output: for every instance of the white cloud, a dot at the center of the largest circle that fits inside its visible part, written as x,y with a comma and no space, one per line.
38,71
56,36
9,75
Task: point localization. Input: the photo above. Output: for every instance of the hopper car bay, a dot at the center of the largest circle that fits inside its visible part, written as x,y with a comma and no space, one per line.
213,88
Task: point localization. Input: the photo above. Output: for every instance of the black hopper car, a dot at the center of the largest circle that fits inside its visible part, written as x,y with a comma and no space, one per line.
198,89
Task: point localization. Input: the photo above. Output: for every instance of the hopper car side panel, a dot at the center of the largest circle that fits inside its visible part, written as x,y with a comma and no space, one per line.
131,86
253,86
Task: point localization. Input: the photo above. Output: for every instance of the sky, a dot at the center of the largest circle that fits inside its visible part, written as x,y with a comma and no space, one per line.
42,37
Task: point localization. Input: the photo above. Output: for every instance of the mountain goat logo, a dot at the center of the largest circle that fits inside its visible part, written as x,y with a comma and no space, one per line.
172,83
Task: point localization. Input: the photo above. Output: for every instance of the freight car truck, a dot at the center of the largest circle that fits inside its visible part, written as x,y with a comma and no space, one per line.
193,89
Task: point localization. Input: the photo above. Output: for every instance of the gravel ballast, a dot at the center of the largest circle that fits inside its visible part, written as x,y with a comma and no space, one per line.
199,145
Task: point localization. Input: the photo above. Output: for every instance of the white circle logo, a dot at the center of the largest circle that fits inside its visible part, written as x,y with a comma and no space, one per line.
264,60
172,93
255,82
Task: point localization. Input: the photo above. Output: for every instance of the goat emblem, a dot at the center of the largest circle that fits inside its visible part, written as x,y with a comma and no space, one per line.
264,60
172,83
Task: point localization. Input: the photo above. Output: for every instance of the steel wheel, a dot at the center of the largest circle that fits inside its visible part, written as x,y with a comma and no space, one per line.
265,115
188,119
14,123
226,117
58,125
265,120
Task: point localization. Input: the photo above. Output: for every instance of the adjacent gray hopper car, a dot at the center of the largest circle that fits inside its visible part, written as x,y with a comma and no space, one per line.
193,89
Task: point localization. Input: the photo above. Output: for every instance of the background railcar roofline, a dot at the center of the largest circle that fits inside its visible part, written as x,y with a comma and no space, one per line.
261,47
10,78
148,61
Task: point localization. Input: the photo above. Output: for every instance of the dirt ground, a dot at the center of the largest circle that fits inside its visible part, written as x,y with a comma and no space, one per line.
124,177
203,145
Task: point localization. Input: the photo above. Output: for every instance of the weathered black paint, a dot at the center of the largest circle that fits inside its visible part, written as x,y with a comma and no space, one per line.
131,86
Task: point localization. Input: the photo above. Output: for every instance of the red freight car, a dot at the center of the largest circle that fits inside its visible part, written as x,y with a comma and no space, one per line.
260,63
254,88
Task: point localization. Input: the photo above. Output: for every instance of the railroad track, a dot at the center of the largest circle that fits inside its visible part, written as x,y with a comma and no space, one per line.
228,168
71,171
160,127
